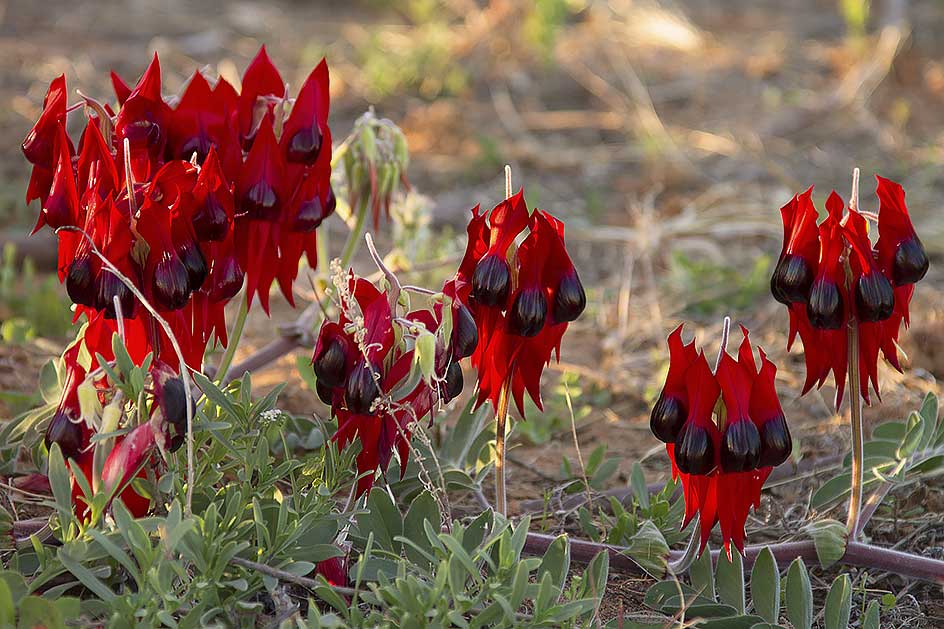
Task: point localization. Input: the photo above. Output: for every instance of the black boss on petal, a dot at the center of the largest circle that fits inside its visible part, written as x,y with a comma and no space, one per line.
80,281
261,202
740,447
66,433
775,441
193,260
361,389
209,220
694,452
465,334
325,393
491,281
171,283
451,386
198,145
791,280
309,216
911,262
874,297
107,287
528,312
824,309
330,365
304,146
667,418
174,403
570,299
227,280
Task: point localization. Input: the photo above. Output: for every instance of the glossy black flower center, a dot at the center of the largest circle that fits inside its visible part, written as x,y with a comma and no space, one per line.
740,446
694,452
528,312
309,216
174,402
776,443
911,262
305,146
452,384
193,260
824,309
261,202
210,222
491,281
107,287
465,334
570,299
361,389
331,364
227,279
667,418
874,297
791,280
171,283
325,392
80,279
66,433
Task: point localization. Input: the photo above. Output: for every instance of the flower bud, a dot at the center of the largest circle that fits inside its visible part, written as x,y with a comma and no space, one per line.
570,299
874,297
911,262
465,334
776,443
65,432
80,280
824,309
193,260
107,287
491,281
740,447
227,279
331,364
667,418
305,145
528,312
171,282
361,389
210,222
694,452
452,384
791,280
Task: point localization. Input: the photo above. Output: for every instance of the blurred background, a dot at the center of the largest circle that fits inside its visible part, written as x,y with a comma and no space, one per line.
666,134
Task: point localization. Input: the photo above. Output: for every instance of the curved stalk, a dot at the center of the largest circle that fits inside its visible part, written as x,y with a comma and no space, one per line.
233,340
501,420
855,396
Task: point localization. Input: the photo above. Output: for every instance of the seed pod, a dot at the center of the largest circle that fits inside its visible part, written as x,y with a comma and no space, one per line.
310,215
171,282
792,280
227,279
911,262
325,393
740,447
193,260
80,281
491,281
210,222
776,443
261,202
305,145
361,389
528,312
107,287
331,364
465,334
65,432
667,418
694,452
874,297
452,384
570,299
824,308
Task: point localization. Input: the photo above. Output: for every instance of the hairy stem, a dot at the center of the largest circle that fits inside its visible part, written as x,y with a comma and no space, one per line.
855,396
501,419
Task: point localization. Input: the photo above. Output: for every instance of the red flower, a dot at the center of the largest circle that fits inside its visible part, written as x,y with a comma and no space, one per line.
722,469
831,278
521,298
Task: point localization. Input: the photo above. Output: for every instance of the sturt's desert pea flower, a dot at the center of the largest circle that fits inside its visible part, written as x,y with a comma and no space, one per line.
831,277
721,453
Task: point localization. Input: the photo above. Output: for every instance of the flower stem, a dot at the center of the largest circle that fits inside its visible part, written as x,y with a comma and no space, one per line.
357,233
233,341
855,396
501,420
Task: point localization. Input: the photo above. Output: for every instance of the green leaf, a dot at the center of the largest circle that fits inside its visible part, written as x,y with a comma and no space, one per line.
838,603
7,608
913,437
731,581
765,586
702,574
556,562
61,484
871,619
15,583
423,509
595,576
799,595
50,385
382,519
831,491
829,537
638,482
424,354
649,549
84,575
39,612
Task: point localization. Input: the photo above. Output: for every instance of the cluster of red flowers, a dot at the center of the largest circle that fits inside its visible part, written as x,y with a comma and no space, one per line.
521,296
189,198
365,371
830,277
722,454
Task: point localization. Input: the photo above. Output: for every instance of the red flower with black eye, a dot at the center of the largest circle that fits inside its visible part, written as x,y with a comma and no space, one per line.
40,145
520,297
142,120
722,469
832,278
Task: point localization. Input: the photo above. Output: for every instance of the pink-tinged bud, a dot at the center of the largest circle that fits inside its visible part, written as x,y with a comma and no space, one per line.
127,457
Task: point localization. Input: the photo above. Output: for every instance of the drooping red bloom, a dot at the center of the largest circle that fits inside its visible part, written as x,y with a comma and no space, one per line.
831,278
521,297
722,458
